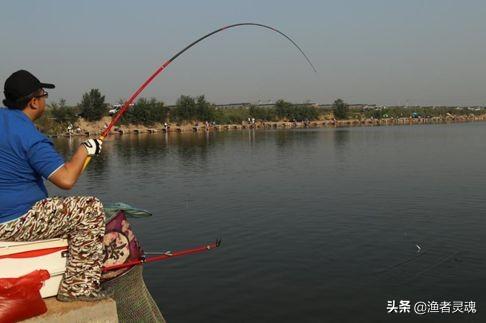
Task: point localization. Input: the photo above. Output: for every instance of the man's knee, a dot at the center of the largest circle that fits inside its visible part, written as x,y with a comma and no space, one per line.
90,209
91,200
97,206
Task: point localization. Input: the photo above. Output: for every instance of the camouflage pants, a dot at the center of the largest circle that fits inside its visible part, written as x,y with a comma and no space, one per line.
81,220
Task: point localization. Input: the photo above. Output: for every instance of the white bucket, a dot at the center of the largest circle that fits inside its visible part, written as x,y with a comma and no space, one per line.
20,258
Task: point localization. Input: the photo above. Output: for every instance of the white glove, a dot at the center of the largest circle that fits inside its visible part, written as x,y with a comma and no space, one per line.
93,146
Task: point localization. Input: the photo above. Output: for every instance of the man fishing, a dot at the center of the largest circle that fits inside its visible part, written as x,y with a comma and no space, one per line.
27,157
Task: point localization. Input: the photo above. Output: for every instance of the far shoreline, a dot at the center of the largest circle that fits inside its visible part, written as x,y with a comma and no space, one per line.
85,128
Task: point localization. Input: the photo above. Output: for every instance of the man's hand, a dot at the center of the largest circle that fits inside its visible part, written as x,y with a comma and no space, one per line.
93,146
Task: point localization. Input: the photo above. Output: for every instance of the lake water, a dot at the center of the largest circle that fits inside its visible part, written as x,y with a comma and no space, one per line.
318,225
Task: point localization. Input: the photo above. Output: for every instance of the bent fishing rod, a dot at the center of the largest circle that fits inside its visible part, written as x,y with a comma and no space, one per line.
165,256
159,70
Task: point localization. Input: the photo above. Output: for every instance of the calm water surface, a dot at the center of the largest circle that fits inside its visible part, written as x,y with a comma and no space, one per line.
318,225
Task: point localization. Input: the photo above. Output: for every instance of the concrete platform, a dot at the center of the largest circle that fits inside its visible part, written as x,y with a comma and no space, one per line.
60,312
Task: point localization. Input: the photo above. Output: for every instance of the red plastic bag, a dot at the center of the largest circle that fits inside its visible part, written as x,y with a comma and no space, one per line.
20,297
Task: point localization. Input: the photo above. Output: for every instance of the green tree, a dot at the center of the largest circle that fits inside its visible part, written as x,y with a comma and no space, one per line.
146,112
93,106
261,113
188,108
230,115
57,118
185,108
340,109
62,113
305,112
283,109
204,109
289,111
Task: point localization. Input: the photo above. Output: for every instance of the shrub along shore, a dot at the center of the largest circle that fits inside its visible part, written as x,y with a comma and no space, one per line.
189,114
95,128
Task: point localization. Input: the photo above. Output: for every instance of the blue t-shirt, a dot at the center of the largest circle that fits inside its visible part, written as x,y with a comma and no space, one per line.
26,155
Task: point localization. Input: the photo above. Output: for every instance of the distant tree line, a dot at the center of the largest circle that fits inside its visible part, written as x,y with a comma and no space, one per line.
197,109
417,112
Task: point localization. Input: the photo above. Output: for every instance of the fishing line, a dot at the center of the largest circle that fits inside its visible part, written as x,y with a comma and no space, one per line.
443,260
411,259
377,278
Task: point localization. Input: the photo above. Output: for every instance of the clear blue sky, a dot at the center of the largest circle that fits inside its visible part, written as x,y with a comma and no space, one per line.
383,52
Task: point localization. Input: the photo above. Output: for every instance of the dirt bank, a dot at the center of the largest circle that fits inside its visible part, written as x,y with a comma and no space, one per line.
85,128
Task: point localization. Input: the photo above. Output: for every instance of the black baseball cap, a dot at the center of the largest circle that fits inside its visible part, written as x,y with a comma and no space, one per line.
22,84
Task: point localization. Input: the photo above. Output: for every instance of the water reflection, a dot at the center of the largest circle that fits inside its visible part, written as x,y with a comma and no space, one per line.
283,139
251,136
341,138
141,146
288,140
192,147
66,146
